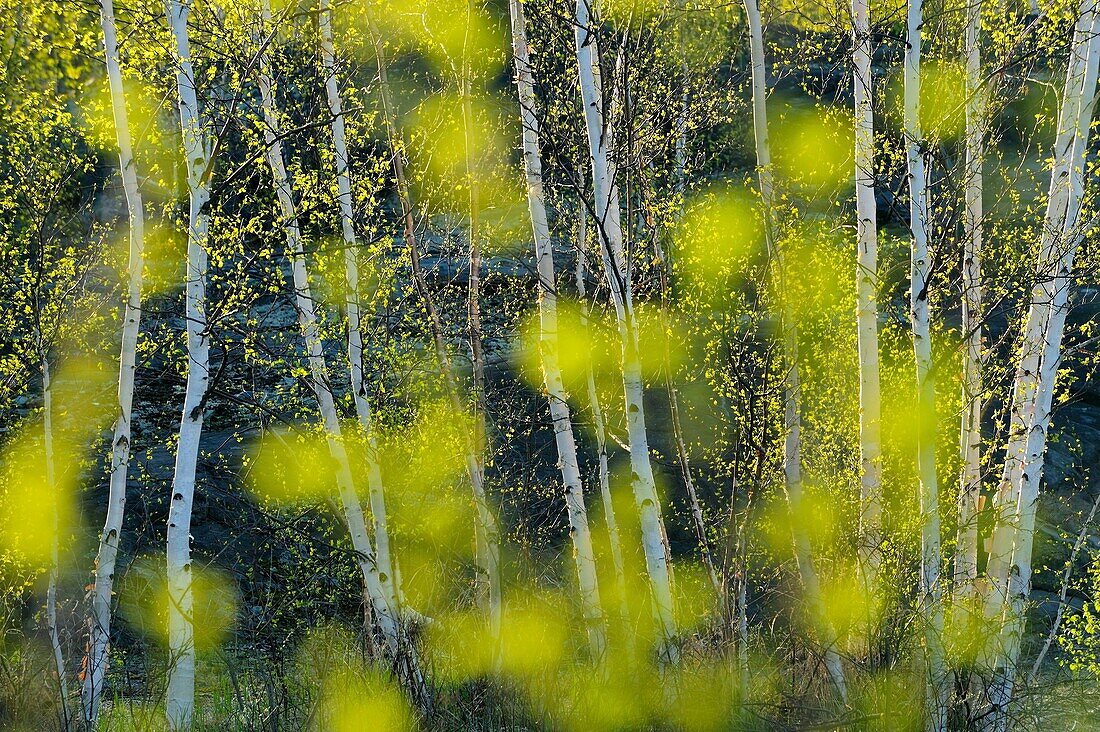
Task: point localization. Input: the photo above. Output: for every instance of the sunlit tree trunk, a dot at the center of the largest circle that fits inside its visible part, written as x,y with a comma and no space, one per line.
583,553
181,633
1025,384
931,559
792,418
99,615
870,401
51,582
616,269
486,528
375,486
1054,299
970,434
600,428
378,579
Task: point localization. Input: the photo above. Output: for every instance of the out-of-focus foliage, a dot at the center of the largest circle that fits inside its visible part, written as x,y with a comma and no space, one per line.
144,598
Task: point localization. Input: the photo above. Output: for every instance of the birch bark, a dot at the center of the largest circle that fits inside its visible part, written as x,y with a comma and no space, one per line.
600,428
99,615
476,457
51,584
583,553
931,557
1025,384
870,402
378,580
375,485
615,268
1065,244
196,147
970,433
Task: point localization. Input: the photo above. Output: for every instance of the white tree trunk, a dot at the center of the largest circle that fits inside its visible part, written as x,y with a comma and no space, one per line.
792,416
375,485
870,400
931,558
181,633
600,429
486,529
51,585
579,530
99,615
1064,247
1025,384
615,266
970,432
378,578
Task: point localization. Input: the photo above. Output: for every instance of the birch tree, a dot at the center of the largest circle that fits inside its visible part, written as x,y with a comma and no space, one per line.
196,148
1051,303
378,579
870,400
581,534
51,581
920,269
1031,473
473,302
765,345
616,269
970,434
375,486
1025,383
99,615
599,426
